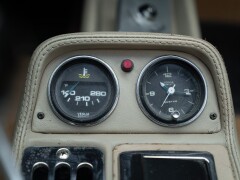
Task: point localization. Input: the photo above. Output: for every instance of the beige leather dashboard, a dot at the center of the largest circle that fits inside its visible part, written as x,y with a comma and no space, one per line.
127,124
127,116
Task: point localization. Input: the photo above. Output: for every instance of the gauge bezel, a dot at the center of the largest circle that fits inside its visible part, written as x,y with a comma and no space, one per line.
139,82
116,96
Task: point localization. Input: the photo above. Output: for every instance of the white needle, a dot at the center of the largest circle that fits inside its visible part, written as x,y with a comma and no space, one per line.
171,90
165,99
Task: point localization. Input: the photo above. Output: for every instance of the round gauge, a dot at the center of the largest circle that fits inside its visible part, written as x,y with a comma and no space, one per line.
171,91
83,90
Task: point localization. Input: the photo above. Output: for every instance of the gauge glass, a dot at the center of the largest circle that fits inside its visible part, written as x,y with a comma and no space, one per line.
171,91
83,90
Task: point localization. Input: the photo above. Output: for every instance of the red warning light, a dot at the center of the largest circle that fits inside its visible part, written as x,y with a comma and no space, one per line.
127,65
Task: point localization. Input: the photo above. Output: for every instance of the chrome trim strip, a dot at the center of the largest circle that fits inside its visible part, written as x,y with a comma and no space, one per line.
59,164
177,157
40,163
85,164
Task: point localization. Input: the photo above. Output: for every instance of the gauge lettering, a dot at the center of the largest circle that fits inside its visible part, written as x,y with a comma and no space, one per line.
83,114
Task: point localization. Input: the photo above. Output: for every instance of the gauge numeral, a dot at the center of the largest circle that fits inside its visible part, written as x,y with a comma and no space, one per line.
187,91
167,75
82,98
66,93
171,110
98,93
152,93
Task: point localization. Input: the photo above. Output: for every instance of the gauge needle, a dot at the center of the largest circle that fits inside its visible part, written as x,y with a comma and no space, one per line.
163,86
165,100
72,88
171,90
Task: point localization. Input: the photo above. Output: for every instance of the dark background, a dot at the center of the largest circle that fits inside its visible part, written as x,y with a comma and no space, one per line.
24,25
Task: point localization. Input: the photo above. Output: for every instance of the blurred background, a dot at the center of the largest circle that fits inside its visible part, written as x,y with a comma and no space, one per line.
24,25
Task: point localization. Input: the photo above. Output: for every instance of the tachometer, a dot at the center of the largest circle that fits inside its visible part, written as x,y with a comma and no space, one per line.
83,90
171,91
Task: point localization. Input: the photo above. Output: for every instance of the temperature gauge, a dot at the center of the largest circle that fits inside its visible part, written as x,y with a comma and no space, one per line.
83,90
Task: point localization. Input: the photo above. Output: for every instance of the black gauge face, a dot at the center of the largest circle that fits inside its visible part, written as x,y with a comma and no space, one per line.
172,91
83,91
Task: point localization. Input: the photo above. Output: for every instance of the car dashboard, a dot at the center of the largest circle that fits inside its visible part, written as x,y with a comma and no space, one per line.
110,105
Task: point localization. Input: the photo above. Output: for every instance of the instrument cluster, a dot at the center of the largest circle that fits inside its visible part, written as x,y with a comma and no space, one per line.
171,91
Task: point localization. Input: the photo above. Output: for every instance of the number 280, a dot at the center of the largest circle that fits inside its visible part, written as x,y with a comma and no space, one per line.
98,93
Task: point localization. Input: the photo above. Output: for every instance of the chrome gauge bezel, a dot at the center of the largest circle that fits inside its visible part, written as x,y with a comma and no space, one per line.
78,58
138,88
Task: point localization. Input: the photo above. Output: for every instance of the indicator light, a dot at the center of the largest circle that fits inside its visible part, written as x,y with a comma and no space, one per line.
127,65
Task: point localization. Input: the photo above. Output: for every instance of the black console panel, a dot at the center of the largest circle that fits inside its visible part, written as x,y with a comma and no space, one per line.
62,163
167,165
